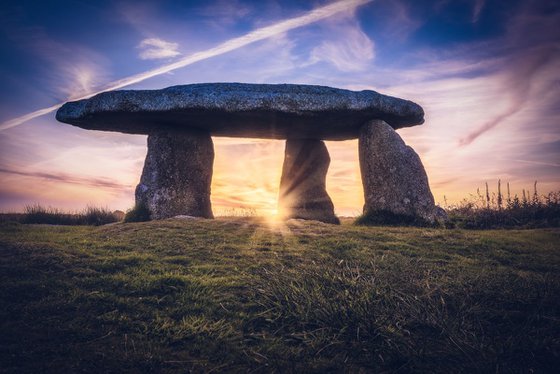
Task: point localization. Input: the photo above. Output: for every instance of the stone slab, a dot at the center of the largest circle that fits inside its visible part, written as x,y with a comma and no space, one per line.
275,111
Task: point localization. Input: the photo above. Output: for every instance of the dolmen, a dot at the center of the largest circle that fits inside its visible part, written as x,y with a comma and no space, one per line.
180,122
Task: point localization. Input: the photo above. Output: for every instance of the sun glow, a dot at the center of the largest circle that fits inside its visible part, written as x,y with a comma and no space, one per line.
247,185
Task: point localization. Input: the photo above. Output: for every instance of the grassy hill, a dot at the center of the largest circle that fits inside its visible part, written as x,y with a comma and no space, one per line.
243,294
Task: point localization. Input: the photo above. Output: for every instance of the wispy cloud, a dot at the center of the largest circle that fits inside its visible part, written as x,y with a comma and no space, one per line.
141,15
530,162
60,177
68,69
155,48
225,12
523,79
71,69
403,20
350,49
230,45
477,10
80,78
444,182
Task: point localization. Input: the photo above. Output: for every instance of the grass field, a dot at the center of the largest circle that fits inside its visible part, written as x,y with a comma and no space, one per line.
239,295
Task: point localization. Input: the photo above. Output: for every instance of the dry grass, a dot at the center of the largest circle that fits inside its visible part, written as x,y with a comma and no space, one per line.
493,210
39,214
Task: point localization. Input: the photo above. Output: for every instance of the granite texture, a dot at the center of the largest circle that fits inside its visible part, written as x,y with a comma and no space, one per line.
276,111
303,191
177,175
393,176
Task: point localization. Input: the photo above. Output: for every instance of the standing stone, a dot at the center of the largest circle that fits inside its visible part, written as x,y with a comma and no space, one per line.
177,175
395,182
302,186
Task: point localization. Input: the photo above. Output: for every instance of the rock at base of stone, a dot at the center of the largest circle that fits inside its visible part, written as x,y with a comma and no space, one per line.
303,191
177,175
395,182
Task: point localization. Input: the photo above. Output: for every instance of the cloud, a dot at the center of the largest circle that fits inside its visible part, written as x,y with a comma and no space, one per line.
60,177
225,12
141,15
513,109
523,80
68,69
272,61
155,48
444,182
403,20
225,47
553,164
349,49
84,77
491,82
79,76
73,70
477,10
498,98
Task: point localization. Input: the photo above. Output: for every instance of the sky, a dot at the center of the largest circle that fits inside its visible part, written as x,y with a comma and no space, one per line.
487,74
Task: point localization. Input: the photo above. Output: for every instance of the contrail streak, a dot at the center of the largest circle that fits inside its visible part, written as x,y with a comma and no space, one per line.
227,46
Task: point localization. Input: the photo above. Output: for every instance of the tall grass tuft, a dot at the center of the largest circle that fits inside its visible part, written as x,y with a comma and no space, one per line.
139,213
37,213
96,216
91,215
490,211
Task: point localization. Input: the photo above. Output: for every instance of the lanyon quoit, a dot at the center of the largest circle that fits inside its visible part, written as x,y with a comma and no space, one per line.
181,120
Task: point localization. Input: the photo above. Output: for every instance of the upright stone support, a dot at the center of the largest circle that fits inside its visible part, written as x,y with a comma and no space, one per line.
303,191
178,171
395,183
177,175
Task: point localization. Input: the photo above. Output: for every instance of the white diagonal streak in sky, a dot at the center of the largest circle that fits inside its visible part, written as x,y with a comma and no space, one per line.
227,46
